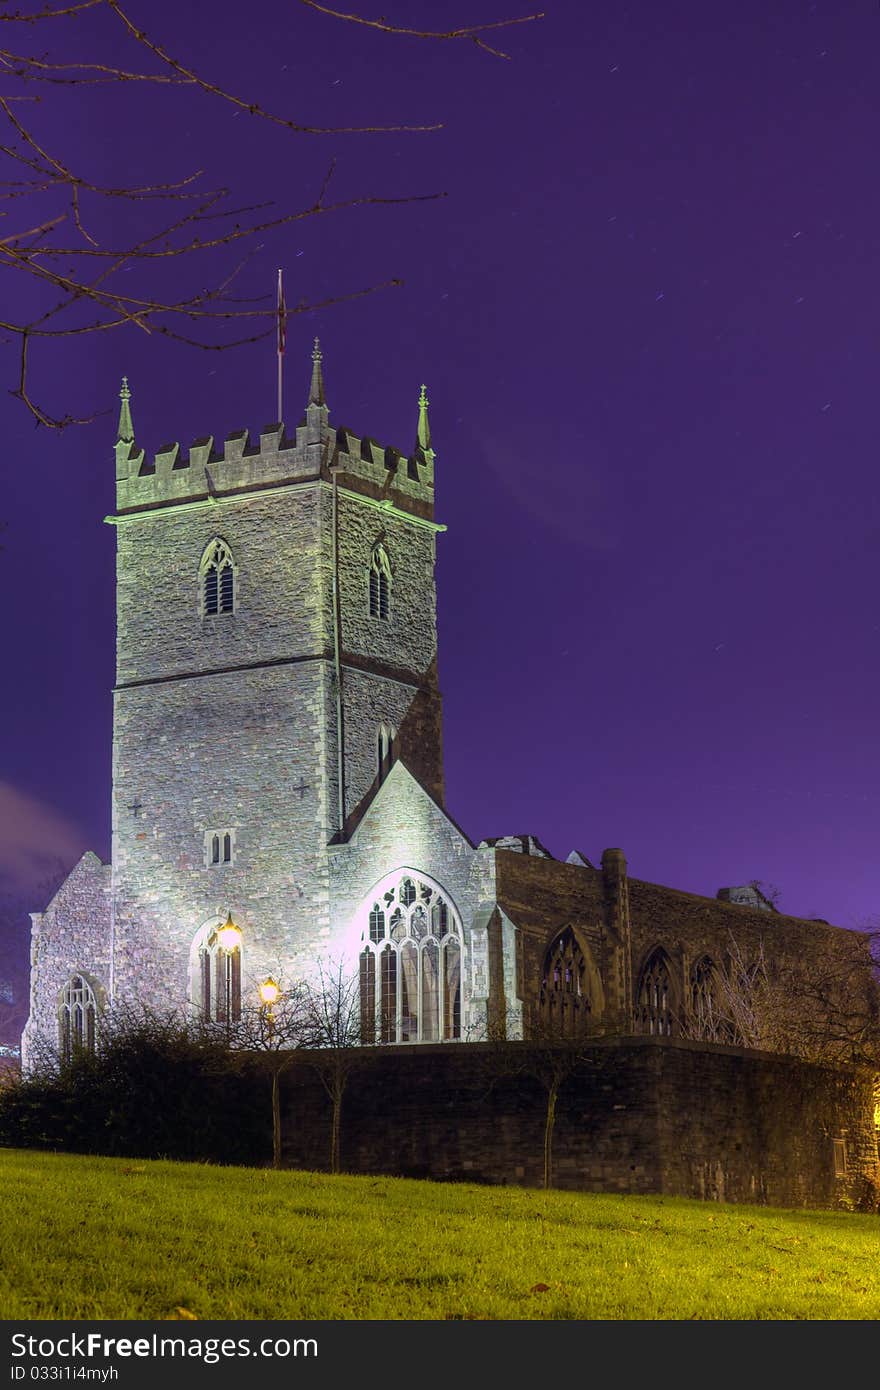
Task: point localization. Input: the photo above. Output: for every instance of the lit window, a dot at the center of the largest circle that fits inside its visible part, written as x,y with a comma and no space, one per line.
219,978
377,923
654,1013
217,578
411,966
219,847
77,1018
380,584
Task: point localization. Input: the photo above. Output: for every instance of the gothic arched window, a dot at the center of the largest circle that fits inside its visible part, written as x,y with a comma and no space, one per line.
217,578
77,1018
707,1016
380,583
218,982
654,1011
411,965
569,988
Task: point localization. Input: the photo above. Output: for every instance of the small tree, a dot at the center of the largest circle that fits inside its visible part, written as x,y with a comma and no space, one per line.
551,1054
824,1006
277,1029
332,1027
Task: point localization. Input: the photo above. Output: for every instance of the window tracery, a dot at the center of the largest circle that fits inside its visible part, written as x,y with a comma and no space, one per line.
380,584
217,577
654,1010
77,1018
411,966
566,998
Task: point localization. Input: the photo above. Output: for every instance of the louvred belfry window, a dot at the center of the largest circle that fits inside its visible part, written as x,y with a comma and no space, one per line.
217,573
380,584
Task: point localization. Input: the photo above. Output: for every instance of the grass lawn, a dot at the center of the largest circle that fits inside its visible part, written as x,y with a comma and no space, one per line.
116,1238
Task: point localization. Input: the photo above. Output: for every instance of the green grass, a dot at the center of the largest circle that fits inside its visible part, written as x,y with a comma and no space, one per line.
117,1238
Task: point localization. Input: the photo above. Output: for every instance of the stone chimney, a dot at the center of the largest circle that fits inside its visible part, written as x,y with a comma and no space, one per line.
617,923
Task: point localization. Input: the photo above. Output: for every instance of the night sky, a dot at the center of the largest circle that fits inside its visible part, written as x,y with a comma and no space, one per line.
646,311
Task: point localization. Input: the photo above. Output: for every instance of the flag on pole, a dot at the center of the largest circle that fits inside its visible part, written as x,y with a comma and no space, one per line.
282,317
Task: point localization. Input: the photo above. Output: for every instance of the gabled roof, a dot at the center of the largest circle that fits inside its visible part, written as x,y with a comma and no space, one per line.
377,798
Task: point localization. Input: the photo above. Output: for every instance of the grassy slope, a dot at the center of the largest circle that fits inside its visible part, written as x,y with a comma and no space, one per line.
114,1238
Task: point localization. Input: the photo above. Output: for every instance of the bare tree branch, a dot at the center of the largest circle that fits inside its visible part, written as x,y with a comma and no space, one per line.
33,16
192,219
36,70
474,32
254,108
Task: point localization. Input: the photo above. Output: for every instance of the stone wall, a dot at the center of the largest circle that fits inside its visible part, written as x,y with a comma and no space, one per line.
641,1115
390,665
72,937
242,751
818,976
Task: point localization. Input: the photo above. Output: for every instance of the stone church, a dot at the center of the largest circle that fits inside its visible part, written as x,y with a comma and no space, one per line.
278,796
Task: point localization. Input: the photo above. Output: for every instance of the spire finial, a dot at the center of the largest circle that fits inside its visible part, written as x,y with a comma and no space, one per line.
316,389
125,433
423,437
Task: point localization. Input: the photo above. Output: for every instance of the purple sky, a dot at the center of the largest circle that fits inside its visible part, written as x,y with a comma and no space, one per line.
647,314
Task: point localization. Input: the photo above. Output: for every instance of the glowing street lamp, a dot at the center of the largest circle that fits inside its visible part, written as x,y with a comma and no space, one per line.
270,993
229,936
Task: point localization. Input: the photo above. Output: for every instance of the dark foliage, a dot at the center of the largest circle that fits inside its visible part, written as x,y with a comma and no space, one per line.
155,1090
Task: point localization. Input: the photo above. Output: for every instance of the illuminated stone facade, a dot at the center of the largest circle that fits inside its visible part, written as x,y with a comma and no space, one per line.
277,761
276,621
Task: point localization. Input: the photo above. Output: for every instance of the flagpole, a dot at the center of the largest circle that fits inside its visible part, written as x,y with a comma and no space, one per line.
282,330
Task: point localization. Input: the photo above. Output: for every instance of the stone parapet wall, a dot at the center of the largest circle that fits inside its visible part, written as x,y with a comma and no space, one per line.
635,1115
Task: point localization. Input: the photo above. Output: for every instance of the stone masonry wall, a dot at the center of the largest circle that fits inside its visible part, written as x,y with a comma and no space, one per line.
278,544
407,641
644,1115
242,751
825,969
71,937
233,731
389,665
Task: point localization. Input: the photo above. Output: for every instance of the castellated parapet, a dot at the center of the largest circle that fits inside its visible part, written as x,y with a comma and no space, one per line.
210,470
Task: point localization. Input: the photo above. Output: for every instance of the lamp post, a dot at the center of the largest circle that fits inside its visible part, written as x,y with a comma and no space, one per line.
270,992
229,941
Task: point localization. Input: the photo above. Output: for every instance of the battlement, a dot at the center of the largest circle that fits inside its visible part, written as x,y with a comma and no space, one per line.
213,468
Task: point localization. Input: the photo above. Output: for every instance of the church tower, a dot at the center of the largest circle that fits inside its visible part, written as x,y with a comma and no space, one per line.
276,656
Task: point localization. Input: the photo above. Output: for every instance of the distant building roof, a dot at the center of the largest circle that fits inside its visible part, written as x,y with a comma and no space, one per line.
579,859
747,895
519,844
